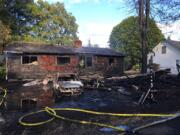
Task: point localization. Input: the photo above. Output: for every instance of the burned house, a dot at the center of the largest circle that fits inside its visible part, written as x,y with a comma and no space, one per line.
37,61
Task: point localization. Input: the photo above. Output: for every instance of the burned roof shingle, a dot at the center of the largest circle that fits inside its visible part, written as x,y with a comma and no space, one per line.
38,48
99,51
55,49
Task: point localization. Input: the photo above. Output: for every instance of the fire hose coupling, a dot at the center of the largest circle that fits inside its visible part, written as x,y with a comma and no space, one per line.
53,113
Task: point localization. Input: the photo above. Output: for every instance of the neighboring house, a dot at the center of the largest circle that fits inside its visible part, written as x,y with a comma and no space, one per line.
37,61
167,55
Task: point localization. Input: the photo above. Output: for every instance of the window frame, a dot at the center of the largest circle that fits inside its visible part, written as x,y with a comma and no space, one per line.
113,61
29,59
164,50
82,59
86,57
178,61
57,61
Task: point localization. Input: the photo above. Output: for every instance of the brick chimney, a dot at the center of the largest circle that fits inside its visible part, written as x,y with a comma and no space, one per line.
77,43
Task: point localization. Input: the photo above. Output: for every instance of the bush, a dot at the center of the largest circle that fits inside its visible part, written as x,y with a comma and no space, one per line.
2,72
136,67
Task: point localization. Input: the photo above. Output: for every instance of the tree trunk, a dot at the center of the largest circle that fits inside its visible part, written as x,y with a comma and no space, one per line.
146,29
143,27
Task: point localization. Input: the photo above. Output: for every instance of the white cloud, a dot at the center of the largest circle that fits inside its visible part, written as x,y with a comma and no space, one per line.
171,30
76,1
112,1
79,1
97,33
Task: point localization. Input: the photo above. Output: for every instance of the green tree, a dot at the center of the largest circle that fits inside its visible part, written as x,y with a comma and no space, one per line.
15,14
52,23
125,37
40,21
164,11
5,35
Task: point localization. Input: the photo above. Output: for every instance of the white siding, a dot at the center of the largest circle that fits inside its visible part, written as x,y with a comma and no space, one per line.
167,60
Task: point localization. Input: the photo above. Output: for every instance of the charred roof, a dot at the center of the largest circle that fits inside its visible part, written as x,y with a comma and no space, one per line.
56,49
98,51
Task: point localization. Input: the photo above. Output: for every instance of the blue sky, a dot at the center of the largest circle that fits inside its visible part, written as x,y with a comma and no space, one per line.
96,19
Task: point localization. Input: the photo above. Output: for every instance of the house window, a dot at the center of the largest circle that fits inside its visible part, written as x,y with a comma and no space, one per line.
111,61
89,61
63,60
27,104
29,59
82,61
178,62
164,50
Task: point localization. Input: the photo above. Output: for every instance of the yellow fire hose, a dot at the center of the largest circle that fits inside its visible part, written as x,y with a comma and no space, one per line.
53,114
4,95
37,123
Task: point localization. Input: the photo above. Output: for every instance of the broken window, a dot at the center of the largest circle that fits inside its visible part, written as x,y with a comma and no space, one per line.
164,50
89,61
27,104
111,61
29,59
82,61
63,60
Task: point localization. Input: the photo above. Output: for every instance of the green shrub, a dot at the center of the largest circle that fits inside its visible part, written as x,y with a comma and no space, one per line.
2,72
136,67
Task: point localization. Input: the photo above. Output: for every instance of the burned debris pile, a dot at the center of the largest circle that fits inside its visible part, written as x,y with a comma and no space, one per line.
68,86
41,93
61,86
115,94
164,85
